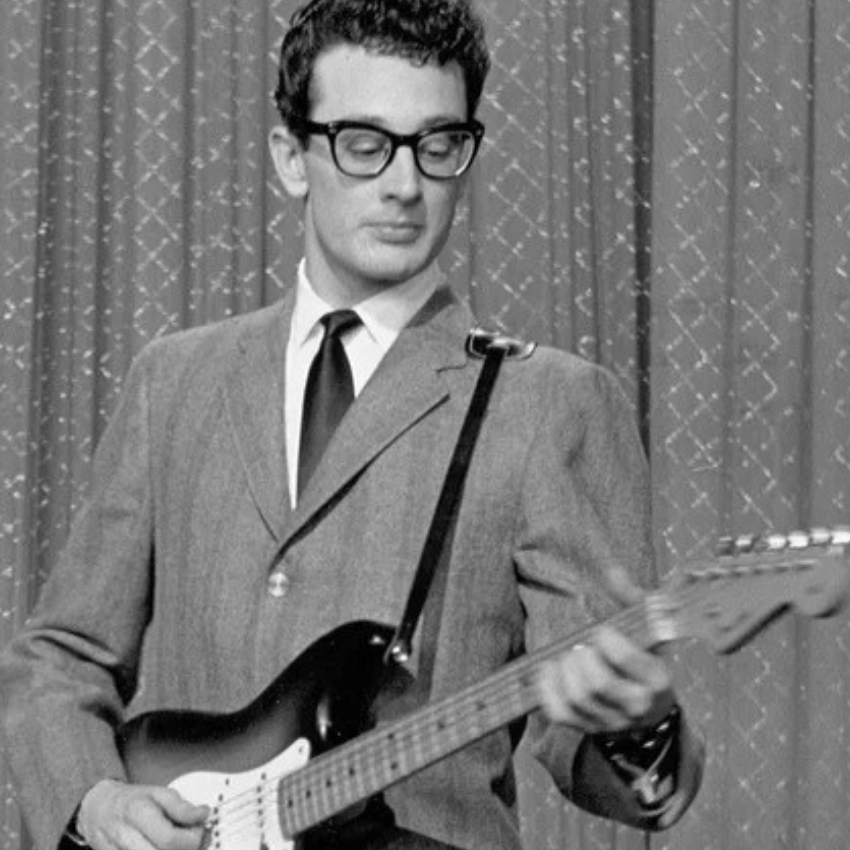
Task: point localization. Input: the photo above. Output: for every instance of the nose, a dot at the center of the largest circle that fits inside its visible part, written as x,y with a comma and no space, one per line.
402,178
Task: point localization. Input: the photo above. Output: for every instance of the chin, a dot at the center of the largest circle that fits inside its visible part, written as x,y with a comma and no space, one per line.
393,270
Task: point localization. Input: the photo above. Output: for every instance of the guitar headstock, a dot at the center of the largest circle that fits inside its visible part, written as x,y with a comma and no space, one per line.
726,601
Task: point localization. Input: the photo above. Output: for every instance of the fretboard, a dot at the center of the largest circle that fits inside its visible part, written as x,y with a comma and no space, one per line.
354,772
726,604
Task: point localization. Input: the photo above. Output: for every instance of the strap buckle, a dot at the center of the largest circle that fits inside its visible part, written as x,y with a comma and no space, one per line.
480,340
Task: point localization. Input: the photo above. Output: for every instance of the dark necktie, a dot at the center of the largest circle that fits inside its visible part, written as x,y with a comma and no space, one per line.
329,392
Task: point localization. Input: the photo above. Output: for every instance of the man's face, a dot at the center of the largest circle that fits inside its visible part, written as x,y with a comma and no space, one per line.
365,234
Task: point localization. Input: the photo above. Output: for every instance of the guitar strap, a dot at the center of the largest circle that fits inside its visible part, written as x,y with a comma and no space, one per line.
494,349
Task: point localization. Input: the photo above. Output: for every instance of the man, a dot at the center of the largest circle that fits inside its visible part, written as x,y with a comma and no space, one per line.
206,561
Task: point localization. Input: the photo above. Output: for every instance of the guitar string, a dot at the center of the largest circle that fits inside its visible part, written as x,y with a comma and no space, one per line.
240,804
381,743
386,748
243,806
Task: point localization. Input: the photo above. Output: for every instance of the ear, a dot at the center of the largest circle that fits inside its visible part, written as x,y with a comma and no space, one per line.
288,156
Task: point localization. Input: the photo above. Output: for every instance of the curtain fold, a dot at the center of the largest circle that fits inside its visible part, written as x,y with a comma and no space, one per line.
750,384
138,198
19,143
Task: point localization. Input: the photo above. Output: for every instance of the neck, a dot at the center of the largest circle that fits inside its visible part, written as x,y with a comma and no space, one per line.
341,294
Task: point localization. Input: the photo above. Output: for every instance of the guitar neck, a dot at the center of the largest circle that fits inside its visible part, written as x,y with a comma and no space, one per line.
354,772
725,604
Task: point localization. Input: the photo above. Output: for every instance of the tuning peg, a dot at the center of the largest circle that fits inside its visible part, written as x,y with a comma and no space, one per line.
820,537
725,546
774,542
799,540
841,536
745,543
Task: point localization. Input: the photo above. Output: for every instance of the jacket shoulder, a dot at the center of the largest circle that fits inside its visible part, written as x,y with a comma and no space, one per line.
193,363
556,363
215,336
208,347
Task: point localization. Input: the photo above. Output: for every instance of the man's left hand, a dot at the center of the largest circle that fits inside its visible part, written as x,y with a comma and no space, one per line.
608,684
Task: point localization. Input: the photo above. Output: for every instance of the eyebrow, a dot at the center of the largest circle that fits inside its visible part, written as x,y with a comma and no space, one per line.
381,123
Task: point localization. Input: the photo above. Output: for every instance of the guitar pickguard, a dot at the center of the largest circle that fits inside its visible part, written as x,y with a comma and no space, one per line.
236,763
244,805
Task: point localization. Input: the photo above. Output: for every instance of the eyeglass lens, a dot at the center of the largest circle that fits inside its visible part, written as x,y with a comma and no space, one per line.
364,151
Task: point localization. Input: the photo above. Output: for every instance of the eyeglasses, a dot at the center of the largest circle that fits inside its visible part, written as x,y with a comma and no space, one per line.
361,150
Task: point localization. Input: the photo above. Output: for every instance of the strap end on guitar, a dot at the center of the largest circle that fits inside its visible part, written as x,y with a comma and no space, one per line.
399,650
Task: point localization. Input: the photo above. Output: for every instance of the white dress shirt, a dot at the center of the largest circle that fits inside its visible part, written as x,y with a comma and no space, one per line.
383,316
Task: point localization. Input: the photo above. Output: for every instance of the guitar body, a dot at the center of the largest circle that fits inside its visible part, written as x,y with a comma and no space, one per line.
324,698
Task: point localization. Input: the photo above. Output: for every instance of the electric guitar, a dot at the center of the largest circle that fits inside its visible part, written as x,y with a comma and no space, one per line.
307,751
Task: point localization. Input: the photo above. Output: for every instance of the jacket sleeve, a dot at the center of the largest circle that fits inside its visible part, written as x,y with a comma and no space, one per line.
586,509
66,677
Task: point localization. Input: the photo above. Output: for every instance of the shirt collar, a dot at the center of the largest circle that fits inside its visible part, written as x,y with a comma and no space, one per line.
383,315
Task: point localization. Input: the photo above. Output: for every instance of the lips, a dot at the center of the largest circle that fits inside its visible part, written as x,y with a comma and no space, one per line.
397,231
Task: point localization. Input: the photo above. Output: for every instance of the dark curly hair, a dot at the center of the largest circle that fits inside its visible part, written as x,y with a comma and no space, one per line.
423,31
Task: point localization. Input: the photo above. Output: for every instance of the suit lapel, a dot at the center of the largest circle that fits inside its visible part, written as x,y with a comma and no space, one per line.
410,376
255,402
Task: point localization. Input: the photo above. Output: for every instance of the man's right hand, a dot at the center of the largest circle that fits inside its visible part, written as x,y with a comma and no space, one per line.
119,816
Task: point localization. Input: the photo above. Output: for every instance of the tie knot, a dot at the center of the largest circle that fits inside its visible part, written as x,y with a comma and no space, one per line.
339,322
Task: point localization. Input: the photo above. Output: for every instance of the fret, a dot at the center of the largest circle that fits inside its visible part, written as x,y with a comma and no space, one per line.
389,753
725,601
379,758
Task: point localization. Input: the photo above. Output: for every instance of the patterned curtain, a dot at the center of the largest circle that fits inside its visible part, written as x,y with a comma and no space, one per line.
137,198
751,384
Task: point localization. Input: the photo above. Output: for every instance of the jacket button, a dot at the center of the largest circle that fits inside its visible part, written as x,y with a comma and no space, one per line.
278,584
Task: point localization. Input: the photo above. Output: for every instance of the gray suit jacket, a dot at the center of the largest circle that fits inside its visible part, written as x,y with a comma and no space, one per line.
161,597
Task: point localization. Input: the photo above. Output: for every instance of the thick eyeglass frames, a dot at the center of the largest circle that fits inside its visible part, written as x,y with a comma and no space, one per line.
363,150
